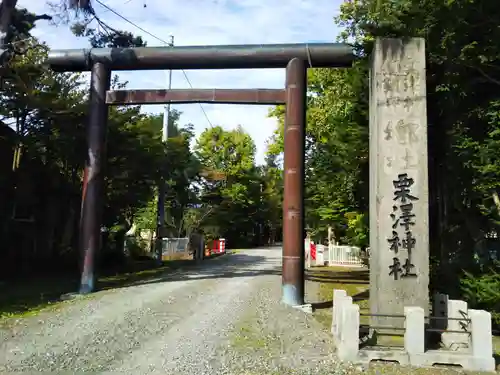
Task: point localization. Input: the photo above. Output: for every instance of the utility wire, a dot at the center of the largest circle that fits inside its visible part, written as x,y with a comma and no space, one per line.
159,39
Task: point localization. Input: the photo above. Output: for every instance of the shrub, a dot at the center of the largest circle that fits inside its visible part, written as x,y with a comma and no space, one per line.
483,292
137,248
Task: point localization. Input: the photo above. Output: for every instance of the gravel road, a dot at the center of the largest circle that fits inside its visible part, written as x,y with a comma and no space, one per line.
190,322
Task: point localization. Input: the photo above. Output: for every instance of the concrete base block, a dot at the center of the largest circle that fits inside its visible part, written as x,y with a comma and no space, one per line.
337,295
414,334
348,343
400,356
443,357
481,340
477,357
340,303
72,296
428,359
307,308
291,296
457,309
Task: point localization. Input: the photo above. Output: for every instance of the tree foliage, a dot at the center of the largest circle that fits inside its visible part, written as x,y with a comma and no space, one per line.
43,119
234,191
463,76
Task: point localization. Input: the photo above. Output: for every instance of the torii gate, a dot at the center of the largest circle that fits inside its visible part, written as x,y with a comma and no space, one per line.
296,58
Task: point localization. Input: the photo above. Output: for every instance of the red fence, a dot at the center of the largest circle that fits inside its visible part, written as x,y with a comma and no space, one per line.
216,247
313,251
219,246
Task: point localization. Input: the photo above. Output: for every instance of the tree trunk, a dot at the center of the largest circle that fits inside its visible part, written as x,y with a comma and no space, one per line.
496,199
6,9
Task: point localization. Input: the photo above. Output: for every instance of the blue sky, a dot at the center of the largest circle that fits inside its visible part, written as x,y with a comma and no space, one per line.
210,22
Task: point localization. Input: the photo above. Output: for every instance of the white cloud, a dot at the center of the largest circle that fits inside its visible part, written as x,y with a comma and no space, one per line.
210,22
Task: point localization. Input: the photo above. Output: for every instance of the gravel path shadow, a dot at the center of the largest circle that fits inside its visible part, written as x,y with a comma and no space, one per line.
220,318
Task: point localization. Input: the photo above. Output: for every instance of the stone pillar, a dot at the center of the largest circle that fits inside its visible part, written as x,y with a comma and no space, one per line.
415,330
348,343
456,309
337,318
481,340
399,213
338,294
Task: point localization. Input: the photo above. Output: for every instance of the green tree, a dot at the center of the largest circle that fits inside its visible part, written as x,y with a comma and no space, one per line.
43,116
462,61
271,207
46,112
231,187
336,150
462,80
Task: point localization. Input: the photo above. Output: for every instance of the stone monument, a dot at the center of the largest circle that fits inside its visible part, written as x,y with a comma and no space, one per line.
399,213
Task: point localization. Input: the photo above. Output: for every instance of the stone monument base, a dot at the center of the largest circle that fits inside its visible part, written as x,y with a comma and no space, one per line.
474,338
430,358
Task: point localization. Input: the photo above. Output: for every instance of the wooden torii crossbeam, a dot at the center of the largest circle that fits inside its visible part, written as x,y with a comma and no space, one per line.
182,96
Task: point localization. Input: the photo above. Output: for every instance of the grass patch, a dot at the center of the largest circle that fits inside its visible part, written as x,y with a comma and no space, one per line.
496,345
356,282
28,297
142,271
247,337
251,338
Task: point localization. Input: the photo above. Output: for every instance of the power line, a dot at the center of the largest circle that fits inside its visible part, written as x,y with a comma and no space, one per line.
159,39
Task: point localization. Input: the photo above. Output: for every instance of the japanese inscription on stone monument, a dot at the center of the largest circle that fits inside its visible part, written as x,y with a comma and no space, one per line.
403,220
400,85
